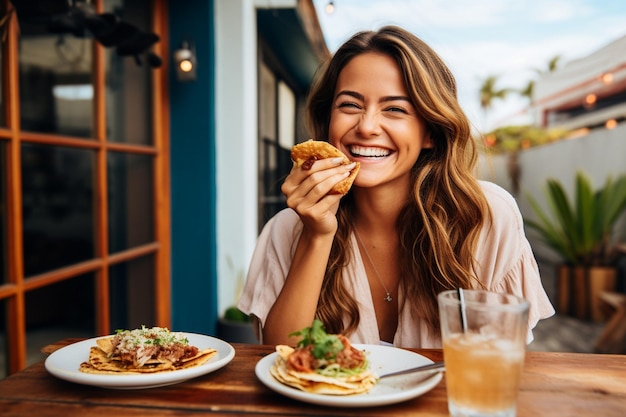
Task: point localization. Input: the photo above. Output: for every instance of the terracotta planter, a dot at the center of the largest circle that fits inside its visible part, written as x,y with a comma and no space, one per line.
579,289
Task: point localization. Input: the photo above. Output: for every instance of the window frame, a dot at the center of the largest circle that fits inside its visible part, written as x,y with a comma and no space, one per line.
13,291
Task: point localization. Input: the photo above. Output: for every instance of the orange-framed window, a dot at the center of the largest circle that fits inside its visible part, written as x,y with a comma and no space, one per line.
84,180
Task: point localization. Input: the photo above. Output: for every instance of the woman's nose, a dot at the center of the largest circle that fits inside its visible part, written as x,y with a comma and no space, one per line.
368,124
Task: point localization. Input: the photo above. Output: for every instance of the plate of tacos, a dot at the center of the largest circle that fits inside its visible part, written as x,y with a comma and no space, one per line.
139,358
328,370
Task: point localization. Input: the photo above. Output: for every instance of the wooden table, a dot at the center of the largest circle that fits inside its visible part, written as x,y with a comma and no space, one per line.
554,384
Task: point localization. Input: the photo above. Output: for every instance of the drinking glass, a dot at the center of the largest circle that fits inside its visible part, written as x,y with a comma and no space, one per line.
484,344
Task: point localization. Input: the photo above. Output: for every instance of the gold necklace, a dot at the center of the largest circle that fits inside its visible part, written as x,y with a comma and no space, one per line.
388,296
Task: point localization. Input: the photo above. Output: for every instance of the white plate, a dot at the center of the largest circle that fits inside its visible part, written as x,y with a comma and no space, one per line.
64,364
383,359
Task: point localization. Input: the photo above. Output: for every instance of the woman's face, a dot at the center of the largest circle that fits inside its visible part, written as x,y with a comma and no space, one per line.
374,122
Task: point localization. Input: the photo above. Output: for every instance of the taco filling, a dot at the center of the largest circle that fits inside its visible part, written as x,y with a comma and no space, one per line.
323,363
144,350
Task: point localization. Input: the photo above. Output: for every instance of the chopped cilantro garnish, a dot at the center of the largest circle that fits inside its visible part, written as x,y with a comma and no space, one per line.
324,345
155,336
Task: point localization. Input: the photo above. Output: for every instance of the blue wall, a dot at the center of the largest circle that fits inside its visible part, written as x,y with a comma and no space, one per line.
192,150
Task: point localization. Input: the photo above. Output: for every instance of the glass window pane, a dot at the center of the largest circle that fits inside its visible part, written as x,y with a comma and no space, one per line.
286,116
58,198
131,200
128,82
132,294
4,261
58,311
267,107
55,70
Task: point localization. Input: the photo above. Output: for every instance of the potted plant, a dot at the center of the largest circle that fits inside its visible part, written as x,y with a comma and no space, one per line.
581,231
235,326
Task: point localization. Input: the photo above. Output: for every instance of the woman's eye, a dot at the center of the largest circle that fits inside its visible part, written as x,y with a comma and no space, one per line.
396,110
348,105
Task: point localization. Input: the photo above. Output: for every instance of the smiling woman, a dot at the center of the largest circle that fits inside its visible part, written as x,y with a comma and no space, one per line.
369,264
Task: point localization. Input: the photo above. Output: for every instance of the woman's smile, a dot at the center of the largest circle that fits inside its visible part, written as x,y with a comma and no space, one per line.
368,151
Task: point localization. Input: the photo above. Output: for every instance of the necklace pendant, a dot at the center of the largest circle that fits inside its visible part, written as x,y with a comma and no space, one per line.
388,298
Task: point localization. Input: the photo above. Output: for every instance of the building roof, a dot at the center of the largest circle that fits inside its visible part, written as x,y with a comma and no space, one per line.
304,48
587,91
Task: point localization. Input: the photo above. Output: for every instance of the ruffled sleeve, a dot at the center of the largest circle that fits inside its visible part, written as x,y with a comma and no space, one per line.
270,263
524,280
505,259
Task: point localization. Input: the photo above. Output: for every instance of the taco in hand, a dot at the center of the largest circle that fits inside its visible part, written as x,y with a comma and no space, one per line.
323,364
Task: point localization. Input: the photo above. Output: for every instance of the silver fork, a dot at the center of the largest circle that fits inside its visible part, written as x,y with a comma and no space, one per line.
432,368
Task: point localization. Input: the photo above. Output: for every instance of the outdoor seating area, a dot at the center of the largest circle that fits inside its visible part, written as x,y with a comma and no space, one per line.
566,333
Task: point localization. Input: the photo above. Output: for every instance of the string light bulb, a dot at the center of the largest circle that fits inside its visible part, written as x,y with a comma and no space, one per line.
590,100
611,124
607,78
330,7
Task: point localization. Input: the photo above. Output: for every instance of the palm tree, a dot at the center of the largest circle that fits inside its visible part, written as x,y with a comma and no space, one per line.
489,93
553,64
529,90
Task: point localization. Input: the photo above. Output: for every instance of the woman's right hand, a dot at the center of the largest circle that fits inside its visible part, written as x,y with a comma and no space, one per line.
307,193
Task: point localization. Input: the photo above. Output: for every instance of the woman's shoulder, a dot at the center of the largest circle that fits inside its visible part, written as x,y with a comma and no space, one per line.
503,206
497,197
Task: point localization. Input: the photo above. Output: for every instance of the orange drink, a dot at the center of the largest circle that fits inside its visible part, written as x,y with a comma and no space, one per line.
482,374
484,344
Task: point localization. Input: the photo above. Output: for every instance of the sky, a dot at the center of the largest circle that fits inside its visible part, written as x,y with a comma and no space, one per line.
508,39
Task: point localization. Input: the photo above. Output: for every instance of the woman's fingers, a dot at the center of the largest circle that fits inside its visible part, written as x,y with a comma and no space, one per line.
318,178
307,192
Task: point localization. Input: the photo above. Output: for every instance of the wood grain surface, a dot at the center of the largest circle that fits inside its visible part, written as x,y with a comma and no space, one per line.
553,384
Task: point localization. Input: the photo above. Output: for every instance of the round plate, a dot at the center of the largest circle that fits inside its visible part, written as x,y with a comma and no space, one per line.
383,359
64,364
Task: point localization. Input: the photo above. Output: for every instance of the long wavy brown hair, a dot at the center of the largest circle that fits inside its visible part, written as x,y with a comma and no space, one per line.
441,222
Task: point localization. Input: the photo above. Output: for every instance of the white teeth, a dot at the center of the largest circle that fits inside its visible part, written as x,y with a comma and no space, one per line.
368,152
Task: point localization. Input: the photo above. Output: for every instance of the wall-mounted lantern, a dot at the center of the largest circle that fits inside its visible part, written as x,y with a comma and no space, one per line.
185,62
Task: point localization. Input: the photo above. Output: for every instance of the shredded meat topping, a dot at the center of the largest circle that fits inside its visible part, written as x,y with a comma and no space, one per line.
308,164
302,360
136,347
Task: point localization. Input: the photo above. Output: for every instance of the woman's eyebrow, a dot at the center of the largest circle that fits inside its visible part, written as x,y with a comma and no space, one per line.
360,97
394,98
351,94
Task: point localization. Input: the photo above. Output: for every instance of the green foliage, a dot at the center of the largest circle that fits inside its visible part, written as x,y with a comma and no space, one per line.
581,230
324,345
489,92
514,138
234,314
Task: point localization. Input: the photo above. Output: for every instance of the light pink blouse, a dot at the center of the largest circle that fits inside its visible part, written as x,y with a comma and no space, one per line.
504,258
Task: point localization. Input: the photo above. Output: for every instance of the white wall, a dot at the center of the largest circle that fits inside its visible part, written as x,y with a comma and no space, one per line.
236,142
236,139
600,154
